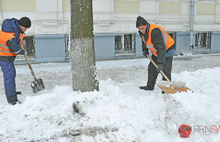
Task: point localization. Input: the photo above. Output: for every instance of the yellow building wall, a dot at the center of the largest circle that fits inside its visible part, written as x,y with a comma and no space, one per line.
169,8
66,5
18,5
205,9
126,6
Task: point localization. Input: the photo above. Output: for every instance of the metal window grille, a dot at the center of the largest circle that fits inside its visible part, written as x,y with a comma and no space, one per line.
28,44
66,46
124,44
173,35
203,41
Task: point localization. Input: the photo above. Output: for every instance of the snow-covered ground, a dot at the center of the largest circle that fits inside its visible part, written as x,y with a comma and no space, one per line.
120,111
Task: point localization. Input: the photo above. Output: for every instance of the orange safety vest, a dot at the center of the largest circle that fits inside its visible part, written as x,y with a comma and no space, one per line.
166,37
4,49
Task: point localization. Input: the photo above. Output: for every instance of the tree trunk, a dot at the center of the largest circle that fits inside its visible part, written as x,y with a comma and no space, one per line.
82,54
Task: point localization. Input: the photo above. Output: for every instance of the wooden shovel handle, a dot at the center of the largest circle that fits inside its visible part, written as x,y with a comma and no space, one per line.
29,65
160,71
25,55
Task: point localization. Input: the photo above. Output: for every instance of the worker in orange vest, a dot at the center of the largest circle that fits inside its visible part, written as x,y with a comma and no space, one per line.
162,47
11,37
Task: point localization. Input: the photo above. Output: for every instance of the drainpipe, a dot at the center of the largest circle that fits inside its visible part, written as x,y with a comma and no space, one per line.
191,26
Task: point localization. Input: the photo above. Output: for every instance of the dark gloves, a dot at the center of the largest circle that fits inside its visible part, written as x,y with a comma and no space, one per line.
145,52
160,67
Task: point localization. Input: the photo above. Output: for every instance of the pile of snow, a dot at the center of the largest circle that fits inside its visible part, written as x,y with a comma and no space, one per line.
119,112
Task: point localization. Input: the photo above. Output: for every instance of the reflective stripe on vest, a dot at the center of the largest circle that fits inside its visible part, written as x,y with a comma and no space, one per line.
4,49
168,41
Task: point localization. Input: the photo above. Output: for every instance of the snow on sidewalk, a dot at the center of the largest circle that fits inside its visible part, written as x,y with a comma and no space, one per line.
120,111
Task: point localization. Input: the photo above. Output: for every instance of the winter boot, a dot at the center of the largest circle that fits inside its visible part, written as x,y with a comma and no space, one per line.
18,92
14,101
145,88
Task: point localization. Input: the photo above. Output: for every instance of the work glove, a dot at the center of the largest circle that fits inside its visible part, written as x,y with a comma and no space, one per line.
23,52
160,67
145,52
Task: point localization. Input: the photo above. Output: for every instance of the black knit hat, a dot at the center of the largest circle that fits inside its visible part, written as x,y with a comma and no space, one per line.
25,22
140,21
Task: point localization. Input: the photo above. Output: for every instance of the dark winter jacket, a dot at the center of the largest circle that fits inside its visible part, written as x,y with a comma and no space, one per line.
158,42
11,26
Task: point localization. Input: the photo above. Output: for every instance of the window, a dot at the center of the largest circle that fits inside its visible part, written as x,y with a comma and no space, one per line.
173,35
67,46
28,44
124,44
203,41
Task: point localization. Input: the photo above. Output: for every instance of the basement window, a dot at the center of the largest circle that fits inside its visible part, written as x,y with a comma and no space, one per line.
173,35
203,41
28,44
124,44
67,46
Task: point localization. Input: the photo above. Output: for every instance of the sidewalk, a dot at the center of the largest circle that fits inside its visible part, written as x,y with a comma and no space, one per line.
120,71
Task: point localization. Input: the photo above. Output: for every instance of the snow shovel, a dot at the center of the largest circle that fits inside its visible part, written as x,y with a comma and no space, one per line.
37,84
168,86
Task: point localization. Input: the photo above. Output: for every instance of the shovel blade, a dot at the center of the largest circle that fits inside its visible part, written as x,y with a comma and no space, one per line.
167,88
37,85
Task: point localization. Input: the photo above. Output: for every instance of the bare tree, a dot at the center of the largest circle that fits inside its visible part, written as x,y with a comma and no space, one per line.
82,54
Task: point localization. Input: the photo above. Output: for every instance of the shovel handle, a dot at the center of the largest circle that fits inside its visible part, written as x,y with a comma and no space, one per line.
160,70
29,65
25,55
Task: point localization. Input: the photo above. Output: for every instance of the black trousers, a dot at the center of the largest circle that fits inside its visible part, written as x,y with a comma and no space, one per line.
152,72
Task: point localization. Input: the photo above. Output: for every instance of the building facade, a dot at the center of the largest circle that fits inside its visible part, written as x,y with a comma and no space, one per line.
115,32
